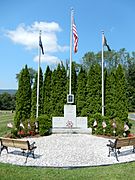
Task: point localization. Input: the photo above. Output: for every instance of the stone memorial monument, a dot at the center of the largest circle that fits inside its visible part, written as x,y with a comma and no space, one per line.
70,123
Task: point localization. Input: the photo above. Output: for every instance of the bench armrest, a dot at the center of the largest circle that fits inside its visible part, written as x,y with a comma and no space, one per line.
32,145
112,144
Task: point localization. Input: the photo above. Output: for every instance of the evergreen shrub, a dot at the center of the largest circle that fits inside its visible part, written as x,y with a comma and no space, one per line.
109,130
44,125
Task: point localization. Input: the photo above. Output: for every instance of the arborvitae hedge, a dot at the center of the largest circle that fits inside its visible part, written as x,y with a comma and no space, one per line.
23,98
121,94
110,94
81,91
47,90
93,97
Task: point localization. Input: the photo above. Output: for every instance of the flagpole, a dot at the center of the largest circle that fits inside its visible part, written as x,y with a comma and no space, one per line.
71,50
102,73
39,52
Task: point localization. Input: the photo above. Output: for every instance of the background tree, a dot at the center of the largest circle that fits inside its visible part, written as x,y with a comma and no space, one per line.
88,60
7,101
23,97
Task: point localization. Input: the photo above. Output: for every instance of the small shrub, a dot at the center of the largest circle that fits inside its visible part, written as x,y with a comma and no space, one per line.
44,125
109,130
14,132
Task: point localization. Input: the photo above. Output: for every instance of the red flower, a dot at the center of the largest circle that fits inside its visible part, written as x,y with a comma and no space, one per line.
21,132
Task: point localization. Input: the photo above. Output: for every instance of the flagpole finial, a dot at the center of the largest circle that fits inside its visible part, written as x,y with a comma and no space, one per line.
40,32
102,31
72,9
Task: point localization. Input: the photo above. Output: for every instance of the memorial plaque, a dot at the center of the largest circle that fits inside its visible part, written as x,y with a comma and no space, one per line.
70,98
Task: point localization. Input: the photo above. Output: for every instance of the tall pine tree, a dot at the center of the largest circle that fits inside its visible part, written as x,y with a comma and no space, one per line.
131,86
58,96
81,91
121,94
23,98
110,94
74,81
47,91
93,98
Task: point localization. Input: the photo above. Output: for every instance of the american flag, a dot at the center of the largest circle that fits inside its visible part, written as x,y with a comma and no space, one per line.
75,36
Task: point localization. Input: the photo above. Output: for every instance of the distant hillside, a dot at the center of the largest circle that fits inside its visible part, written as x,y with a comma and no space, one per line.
9,91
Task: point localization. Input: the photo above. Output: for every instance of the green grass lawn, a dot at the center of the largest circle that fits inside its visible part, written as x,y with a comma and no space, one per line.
133,126
123,172
5,117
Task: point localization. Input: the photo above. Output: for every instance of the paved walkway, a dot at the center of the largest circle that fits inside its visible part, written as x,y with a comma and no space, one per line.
131,116
69,150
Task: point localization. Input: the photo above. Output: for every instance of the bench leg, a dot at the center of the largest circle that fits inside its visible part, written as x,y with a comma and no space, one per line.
116,154
32,152
27,157
2,148
110,150
28,153
23,152
133,148
118,151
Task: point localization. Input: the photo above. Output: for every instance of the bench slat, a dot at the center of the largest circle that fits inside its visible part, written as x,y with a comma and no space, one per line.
17,143
122,142
132,141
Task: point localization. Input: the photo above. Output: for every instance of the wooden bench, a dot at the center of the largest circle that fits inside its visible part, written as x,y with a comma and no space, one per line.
119,143
24,145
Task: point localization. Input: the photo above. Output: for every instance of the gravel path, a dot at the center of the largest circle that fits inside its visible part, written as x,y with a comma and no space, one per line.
68,150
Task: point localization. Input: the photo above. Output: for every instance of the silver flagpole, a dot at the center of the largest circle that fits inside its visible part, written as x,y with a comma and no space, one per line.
102,73
71,50
39,52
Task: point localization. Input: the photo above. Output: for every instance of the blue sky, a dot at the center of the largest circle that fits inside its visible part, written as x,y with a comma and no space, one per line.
20,22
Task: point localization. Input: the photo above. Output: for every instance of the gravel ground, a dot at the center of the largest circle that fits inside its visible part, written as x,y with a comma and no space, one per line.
68,150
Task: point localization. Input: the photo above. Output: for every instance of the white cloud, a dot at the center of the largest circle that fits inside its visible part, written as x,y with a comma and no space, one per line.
28,36
47,27
47,58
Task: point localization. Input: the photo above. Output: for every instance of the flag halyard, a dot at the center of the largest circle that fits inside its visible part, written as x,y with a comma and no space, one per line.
41,45
75,37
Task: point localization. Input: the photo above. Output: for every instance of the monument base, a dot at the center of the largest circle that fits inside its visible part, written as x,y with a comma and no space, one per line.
71,131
